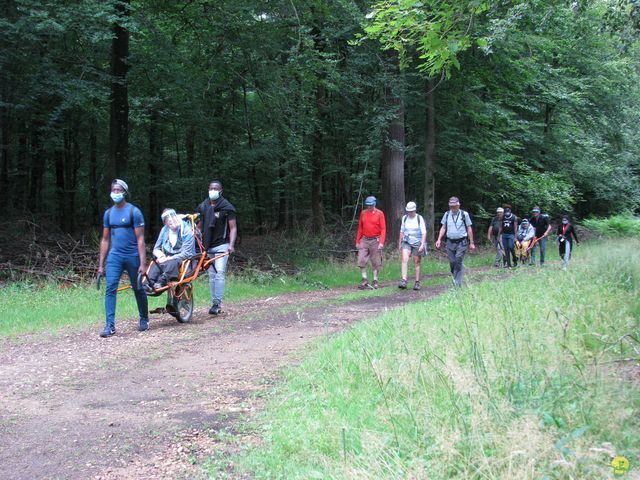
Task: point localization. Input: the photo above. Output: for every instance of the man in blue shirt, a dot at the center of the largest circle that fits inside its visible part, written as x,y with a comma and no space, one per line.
123,241
456,225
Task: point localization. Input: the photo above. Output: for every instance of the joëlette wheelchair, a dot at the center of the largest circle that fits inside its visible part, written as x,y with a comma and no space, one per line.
179,291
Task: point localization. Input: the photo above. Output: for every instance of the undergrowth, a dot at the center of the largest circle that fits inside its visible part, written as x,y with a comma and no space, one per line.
520,378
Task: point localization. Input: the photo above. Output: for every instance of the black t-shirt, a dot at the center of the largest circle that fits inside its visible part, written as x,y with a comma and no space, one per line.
215,221
541,223
509,224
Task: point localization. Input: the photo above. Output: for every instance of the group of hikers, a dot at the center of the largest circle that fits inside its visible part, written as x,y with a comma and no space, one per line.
122,246
514,240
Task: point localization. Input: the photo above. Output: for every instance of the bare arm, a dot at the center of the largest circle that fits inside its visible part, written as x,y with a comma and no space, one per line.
142,249
440,235
490,232
104,249
233,234
472,245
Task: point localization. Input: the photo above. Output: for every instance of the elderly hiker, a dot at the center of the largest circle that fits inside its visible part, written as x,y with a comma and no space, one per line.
219,232
540,221
456,225
493,235
412,242
372,232
175,244
508,229
122,246
526,235
565,243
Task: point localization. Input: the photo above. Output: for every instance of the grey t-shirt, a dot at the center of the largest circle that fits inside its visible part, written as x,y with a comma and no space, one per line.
455,224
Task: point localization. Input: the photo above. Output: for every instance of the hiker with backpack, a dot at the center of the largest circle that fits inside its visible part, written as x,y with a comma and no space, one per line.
508,229
565,243
372,232
412,242
493,235
122,246
175,244
540,221
456,225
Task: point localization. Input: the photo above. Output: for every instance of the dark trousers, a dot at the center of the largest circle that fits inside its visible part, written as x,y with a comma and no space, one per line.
455,252
509,244
169,270
114,268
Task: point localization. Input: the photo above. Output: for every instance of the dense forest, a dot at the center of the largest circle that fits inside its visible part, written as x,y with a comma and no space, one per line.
303,107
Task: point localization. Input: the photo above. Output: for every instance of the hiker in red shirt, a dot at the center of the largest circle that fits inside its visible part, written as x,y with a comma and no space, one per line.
372,232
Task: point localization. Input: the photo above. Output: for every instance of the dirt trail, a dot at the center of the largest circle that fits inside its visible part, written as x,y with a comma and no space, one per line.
155,404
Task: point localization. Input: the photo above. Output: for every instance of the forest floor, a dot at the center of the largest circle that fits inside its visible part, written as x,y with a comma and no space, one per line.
160,403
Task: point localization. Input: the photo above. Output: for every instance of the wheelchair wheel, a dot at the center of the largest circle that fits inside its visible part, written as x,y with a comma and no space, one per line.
182,303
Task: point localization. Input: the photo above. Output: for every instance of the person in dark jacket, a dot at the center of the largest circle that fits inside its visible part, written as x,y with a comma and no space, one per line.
508,229
494,237
565,233
219,232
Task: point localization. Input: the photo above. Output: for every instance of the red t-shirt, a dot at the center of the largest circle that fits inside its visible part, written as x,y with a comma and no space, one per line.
372,224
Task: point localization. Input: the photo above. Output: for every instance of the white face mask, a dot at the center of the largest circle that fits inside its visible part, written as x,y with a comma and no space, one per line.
117,197
214,194
564,222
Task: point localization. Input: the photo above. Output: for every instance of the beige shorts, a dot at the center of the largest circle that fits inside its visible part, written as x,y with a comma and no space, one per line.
369,251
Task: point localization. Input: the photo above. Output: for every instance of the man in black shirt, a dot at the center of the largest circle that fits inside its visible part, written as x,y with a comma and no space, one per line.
539,221
219,231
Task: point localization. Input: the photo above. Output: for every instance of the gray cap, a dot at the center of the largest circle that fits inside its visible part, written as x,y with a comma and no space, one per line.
370,200
121,183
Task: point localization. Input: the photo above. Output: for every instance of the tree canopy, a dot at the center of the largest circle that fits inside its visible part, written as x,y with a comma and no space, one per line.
304,107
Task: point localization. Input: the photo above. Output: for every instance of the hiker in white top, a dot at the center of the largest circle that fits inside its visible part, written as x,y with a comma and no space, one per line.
456,224
412,242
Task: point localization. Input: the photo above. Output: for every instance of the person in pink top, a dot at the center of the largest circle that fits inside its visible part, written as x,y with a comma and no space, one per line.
372,232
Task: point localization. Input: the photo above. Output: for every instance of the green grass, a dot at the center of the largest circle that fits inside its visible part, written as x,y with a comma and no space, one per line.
29,307
618,225
517,378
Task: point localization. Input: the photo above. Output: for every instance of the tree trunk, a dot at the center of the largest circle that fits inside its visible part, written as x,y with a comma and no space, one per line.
5,194
392,164
93,174
317,157
59,158
191,149
154,159
119,121
430,161
37,169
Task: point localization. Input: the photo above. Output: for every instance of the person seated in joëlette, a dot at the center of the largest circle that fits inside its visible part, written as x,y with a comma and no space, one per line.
175,244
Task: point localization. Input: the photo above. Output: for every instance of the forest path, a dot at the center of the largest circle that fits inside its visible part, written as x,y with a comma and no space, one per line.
157,404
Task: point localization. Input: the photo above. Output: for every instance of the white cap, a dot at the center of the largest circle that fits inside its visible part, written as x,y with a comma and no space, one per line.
411,207
499,210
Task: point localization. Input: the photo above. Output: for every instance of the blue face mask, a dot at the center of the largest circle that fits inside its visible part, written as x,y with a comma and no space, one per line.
214,194
117,197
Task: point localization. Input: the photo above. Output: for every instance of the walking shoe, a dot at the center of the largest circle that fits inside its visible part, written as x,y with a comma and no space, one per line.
108,331
375,284
144,324
416,286
364,284
402,284
215,309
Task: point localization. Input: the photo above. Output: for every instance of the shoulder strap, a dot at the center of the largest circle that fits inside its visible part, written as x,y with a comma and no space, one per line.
404,217
464,218
131,215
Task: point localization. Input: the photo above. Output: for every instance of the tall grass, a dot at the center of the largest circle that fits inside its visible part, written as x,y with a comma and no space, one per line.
503,380
625,224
